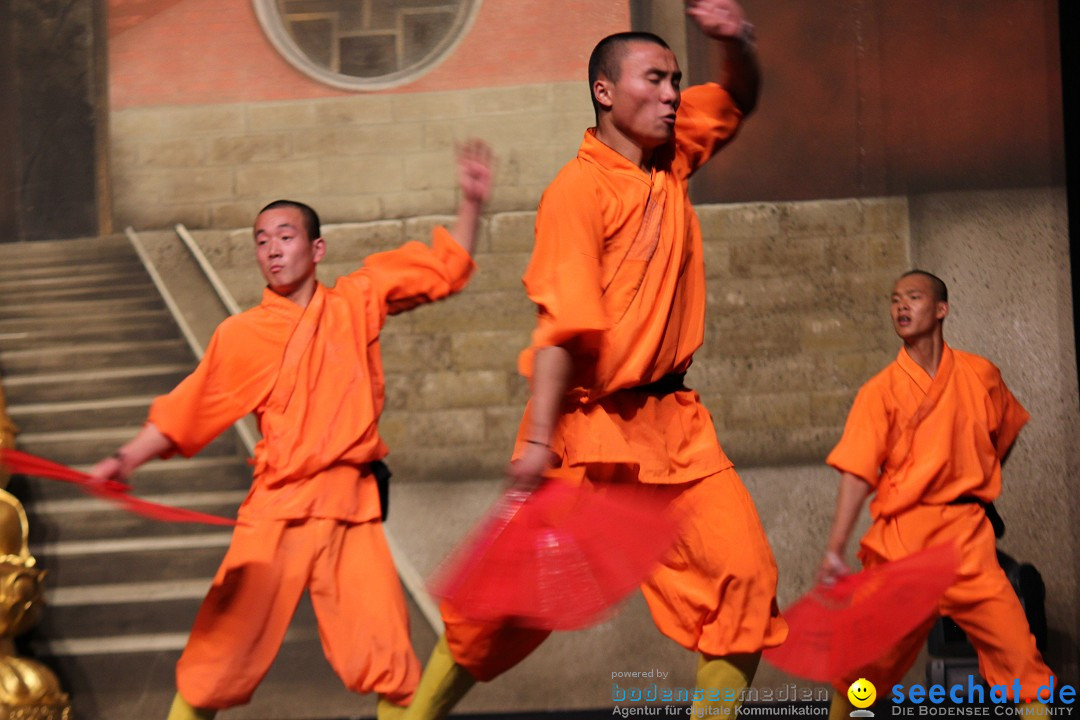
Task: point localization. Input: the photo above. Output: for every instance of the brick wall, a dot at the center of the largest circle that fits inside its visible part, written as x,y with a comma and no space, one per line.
201,52
798,300
361,157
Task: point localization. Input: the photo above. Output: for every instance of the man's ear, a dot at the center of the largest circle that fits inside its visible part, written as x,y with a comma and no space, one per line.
318,249
601,91
941,311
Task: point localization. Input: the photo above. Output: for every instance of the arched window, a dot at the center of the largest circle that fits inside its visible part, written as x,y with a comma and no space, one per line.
365,44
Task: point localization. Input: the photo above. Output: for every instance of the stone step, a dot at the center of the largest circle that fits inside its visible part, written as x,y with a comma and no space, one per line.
78,248
73,447
92,244
74,563
112,620
100,670
88,356
94,519
21,328
140,685
56,416
127,610
76,309
125,267
103,276
93,384
120,288
60,336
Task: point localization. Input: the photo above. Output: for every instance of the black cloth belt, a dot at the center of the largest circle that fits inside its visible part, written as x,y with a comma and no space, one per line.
382,474
672,382
988,507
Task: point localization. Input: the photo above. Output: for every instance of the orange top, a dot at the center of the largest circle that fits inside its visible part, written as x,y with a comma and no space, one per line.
618,278
313,377
918,440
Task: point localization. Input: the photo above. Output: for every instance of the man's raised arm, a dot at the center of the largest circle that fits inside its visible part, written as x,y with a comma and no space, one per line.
724,20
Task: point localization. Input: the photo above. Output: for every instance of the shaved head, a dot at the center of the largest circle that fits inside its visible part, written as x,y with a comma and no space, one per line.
606,58
311,218
941,291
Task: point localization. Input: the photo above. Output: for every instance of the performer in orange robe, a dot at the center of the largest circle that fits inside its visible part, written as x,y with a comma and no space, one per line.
618,277
926,436
306,361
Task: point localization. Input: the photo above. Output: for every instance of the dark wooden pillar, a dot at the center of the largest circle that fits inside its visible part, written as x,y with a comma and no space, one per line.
53,134
8,151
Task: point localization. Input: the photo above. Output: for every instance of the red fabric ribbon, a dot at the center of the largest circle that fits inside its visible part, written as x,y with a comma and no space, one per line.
111,490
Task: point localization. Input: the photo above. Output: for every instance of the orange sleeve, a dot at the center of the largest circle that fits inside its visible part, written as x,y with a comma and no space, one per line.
414,273
225,387
864,445
564,273
1012,415
707,120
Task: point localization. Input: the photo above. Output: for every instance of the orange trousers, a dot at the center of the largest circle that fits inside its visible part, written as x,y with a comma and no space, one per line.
981,600
715,591
358,601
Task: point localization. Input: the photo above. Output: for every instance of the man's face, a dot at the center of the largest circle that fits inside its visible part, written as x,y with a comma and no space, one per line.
915,312
644,99
285,253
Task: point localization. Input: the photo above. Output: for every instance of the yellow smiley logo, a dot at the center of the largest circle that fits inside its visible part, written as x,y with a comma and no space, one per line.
862,693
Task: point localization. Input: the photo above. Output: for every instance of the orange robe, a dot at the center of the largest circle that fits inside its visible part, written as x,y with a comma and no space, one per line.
921,443
313,377
618,277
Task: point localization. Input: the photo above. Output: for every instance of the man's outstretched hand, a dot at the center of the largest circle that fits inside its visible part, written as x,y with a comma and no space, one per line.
719,19
474,162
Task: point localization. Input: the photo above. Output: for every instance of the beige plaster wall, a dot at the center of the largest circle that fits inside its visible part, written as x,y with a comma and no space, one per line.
1005,257
361,157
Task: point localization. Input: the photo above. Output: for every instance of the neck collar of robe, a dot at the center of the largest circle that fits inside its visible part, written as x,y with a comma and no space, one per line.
271,299
916,372
593,150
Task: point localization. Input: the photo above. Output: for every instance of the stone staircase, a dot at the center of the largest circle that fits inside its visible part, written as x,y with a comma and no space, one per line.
86,342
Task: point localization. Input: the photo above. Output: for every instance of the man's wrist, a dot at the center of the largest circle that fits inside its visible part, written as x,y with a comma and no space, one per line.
125,466
745,37
747,34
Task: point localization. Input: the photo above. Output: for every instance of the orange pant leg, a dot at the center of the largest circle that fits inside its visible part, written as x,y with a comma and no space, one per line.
487,650
715,592
363,620
981,600
984,604
241,623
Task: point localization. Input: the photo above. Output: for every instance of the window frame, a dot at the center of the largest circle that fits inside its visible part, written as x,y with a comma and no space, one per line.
273,25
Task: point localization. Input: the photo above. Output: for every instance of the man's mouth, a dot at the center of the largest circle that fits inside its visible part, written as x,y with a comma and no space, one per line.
903,319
